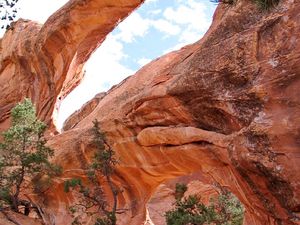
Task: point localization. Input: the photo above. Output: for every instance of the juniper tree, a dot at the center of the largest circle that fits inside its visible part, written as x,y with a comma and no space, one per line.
92,199
23,155
263,4
180,189
226,209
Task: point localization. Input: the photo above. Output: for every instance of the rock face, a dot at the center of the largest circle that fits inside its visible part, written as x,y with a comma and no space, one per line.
11,219
164,197
83,112
44,62
227,106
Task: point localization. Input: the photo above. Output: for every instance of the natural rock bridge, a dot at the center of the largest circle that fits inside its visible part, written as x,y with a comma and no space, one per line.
226,106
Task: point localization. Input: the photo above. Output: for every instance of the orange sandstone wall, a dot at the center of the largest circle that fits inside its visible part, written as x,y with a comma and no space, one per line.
45,62
226,107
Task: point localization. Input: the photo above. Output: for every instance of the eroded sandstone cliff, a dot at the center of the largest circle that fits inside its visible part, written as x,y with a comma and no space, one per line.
44,62
226,106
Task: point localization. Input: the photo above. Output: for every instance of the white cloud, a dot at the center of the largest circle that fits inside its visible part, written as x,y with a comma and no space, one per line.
104,65
39,10
190,36
103,70
166,27
191,16
143,61
136,26
191,13
155,12
150,1
176,47
132,27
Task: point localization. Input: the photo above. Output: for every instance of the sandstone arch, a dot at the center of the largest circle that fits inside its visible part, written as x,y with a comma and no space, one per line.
45,61
227,106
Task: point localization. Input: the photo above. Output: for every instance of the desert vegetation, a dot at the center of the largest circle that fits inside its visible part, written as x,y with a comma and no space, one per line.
263,4
91,198
24,157
225,209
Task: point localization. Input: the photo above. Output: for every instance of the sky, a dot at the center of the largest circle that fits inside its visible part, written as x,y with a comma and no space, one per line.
154,29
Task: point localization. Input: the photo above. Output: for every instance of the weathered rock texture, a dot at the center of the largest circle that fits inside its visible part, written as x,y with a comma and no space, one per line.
226,106
164,197
10,218
45,62
85,110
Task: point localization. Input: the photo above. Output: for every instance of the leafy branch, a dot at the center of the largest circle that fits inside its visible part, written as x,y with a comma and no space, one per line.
23,157
91,199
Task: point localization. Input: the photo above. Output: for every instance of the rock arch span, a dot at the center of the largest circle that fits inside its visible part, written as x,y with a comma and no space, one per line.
226,106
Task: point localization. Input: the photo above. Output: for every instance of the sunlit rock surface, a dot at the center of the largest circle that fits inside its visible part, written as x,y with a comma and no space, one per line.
85,110
44,62
226,106
11,219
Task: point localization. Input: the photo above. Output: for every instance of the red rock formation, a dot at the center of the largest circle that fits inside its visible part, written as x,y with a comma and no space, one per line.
10,218
45,61
164,197
80,114
226,106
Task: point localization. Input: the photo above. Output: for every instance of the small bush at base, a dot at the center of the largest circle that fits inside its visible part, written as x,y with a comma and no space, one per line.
226,209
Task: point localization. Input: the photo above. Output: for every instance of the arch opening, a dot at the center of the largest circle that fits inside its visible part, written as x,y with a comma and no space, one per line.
197,184
156,28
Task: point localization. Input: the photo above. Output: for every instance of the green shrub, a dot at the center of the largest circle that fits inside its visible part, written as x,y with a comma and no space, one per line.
189,210
180,189
72,183
224,210
230,2
92,201
23,156
266,4
263,4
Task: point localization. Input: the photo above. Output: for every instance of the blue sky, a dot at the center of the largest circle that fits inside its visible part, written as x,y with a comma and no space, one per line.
157,27
165,32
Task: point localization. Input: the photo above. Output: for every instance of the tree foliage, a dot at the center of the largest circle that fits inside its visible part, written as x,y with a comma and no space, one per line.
91,199
263,4
8,12
223,210
224,1
23,156
266,4
180,189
